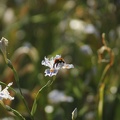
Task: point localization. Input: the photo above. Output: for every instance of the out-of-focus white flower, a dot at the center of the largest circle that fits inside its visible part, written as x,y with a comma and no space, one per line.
9,16
3,44
57,96
55,64
83,27
4,94
86,49
49,109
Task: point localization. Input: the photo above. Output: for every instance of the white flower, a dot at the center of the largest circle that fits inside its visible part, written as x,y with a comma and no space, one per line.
56,96
55,64
3,44
4,94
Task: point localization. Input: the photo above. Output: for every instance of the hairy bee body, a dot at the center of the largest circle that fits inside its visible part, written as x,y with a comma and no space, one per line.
58,61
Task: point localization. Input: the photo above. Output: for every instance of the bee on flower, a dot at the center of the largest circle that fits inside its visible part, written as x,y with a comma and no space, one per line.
55,64
4,94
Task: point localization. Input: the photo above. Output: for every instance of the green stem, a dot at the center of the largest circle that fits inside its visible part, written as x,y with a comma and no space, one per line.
34,107
101,92
100,104
15,112
17,81
51,82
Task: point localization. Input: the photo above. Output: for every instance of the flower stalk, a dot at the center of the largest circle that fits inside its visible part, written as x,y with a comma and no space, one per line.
15,112
106,69
17,81
34,107
3,44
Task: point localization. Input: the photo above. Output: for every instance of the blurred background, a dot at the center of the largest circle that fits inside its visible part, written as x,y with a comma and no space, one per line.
73,29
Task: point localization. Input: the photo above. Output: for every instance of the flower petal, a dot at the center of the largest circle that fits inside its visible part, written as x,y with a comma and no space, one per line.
68,66
47,62
8,86
57,57
50,72
4,94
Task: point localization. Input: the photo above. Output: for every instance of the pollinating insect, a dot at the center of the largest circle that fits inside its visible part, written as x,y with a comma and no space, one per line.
55,64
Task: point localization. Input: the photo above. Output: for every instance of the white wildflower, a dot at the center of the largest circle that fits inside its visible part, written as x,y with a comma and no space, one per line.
55,64
56,96
4,94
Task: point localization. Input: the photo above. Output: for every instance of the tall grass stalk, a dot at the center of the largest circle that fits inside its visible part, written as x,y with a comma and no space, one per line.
103,80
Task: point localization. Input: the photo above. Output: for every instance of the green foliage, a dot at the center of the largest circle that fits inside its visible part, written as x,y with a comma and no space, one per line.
72,28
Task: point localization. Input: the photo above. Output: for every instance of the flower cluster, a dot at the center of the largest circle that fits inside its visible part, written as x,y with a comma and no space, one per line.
4,94
54,65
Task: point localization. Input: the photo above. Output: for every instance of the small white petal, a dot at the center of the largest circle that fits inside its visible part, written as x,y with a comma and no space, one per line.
47,62
4,94
57,56
50,72
10,84
4,41
68,66
11,98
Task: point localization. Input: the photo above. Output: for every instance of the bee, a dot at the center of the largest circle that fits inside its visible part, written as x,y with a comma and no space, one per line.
58,61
